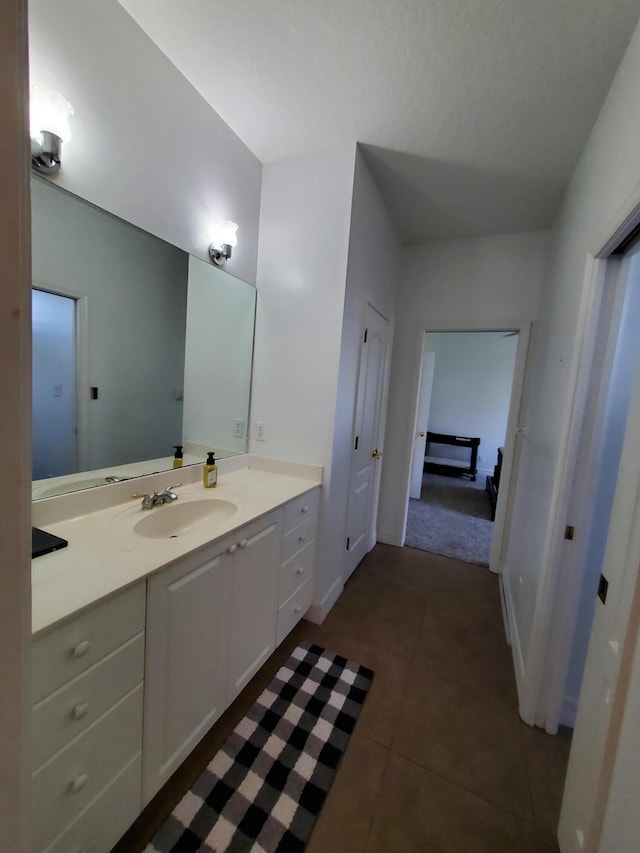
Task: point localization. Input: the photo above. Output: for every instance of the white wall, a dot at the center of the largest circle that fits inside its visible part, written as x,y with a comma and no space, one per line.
302,265
471,390
325,241
608,169
145,145
481,284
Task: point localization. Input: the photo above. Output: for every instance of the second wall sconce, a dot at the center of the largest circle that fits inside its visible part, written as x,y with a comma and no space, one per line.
224,238
49,120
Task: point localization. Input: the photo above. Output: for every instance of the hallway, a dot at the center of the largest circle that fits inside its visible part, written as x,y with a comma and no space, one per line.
439,760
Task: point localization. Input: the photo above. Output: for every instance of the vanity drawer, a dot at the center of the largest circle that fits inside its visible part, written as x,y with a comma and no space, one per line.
300,508
74,646
70,781
296,571
107,818
294,608
298,538
65,714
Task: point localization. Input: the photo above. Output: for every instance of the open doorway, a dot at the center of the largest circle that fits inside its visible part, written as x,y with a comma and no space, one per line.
463,408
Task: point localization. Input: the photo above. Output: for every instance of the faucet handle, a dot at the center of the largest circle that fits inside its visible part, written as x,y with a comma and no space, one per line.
137,496
168,493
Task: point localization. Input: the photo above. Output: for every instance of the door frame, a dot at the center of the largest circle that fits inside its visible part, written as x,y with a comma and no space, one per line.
422,409
552,639
515,427
369,302
15,424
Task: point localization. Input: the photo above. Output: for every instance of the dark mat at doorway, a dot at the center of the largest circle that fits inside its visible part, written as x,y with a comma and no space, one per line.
452,518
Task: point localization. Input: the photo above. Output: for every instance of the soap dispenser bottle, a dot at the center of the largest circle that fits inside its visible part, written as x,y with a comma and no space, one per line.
210,472
177,458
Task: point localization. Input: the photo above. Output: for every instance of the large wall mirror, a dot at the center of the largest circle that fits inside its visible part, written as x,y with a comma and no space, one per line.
137,347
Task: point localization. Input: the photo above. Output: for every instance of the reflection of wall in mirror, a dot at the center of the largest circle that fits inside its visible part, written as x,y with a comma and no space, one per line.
136,289
219,344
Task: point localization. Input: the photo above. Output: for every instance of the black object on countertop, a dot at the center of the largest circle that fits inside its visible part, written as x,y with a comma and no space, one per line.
43,542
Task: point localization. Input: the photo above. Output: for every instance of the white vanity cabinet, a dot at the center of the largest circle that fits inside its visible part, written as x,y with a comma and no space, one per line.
87,677
254,600
187,650
125,688
211,624
295,590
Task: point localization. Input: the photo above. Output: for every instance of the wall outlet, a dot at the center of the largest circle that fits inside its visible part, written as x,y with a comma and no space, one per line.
261,433
238,430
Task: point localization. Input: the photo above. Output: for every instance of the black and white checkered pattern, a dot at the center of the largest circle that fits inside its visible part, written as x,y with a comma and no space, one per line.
263,791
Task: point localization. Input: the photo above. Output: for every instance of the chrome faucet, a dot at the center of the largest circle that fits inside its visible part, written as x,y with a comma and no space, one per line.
166,496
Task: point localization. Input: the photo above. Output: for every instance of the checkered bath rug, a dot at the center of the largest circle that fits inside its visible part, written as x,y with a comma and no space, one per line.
263,791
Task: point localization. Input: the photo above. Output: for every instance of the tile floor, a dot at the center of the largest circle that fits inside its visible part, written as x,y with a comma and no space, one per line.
439,761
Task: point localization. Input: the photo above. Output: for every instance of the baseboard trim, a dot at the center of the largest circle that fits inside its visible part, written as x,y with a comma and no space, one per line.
389,537
516,647
569,712
319,611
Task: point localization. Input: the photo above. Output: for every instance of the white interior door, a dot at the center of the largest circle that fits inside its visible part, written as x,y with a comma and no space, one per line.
364,473
603,690
422,422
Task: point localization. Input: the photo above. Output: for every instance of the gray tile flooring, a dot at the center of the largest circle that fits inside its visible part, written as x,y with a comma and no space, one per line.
439,760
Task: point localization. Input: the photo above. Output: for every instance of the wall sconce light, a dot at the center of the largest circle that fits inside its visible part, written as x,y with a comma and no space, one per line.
49,119
224,239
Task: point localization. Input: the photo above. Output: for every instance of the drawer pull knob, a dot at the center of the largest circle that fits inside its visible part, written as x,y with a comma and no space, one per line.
243,543
302,537
299,571
232,549
79,711
81,649
78,782
298,609
305,508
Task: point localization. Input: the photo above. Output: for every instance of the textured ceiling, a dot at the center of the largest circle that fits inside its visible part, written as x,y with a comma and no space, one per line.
472,113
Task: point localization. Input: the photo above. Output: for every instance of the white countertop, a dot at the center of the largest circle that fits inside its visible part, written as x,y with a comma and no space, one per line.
104,555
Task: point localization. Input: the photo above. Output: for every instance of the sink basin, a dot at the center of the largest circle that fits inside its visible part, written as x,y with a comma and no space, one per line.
181,518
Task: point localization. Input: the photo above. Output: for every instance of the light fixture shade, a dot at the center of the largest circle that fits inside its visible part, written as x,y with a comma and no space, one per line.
49,112
224,234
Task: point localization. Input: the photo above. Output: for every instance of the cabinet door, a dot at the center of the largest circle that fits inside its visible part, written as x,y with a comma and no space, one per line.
254,600
187,629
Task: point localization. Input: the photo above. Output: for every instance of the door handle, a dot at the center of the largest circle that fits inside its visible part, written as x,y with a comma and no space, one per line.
376,454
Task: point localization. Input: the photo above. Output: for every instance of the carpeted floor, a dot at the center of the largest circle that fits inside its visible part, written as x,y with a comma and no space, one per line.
452,517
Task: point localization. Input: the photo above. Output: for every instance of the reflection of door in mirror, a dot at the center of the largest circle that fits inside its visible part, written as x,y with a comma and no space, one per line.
54,385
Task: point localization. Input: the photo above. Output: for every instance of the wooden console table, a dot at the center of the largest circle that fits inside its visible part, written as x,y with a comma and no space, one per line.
452,467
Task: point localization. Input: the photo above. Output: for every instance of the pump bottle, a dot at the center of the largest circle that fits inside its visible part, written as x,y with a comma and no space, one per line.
210,472
177,457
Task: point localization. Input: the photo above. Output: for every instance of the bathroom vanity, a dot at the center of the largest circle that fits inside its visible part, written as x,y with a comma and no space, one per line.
143,639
